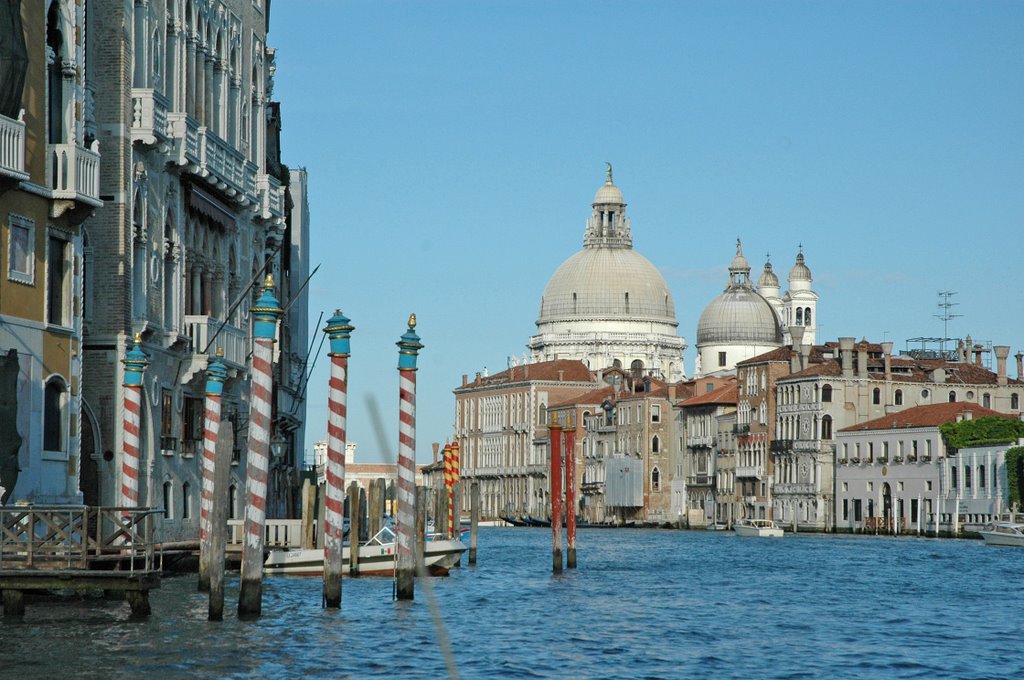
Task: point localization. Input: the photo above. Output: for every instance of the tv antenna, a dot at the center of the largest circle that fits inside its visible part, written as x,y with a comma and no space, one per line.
945,315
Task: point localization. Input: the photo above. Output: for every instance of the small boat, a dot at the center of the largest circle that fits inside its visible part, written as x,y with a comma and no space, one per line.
757,527
716,526
1003,533
376,557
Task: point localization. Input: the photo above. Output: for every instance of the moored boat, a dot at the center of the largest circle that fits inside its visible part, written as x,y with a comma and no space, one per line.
757,527
376,557
1003,533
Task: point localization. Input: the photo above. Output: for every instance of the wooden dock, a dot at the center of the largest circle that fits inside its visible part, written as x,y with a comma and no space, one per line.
76,548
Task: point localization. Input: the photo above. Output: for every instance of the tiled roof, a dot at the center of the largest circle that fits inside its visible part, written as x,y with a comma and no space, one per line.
588,398
723,395
572,370
931,415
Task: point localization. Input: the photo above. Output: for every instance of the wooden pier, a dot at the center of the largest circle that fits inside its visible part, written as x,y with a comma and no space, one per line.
76,548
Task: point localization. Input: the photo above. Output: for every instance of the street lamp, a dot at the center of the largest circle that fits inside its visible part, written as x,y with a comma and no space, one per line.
278,444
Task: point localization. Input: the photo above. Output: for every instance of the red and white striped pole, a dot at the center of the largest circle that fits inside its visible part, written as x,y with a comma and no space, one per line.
408,350
135,363
216,373
555,474
266,312
338,330
570,495
456,523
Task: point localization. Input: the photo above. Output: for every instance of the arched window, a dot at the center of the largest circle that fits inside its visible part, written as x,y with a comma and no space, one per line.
186,501
655,444
897,398
826,393
168,499
952,396
55,416
637,368
655,479
799,316
876,396
826,427
807,316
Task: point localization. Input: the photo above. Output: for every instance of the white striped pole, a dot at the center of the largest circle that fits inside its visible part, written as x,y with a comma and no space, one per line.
408,350
338,330
215,376
266,312
135,362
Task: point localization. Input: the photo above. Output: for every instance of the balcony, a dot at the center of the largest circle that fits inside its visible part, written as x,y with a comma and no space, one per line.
700,441
235,341
149,117
781,446
271,198
12,147
73,173
701,480
205,154
754,471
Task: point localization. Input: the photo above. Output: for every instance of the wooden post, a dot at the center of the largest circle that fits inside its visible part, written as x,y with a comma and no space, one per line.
474,518
555,478
457,517
219,518
421,527
441,510
375,509
14,603
355,522
321,511
138,600
308,508
570,496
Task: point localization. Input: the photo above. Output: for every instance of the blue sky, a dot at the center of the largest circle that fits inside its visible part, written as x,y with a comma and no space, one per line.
454,149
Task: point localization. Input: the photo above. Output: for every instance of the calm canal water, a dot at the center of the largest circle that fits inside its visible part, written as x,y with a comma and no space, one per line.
642,604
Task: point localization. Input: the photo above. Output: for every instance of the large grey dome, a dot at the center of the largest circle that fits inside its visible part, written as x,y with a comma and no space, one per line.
607,283
738,316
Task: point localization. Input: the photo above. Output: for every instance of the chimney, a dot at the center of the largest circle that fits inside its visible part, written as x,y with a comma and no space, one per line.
862,361
796,362
465,379
846,353
1002,351
435,444
672,392
478,376
961,353
887,352
561,376
1020,365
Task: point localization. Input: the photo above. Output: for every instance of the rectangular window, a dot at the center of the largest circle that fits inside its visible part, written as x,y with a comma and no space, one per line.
655,413
57,282
899,486
191,424
913,510
846,486
857,510
846,508
21,249
952,472
871,486
885,449
928,485
721,358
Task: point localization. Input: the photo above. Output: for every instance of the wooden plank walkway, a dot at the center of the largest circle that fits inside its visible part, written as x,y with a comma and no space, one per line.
63,547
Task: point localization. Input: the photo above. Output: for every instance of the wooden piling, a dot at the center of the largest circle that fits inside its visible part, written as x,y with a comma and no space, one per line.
14,603
441,511
555,478
457,517
308,508
474,519
570,496
355,522
219,518
375,506
421,527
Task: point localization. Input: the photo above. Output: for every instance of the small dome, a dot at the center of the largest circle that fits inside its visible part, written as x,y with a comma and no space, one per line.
800,271
608,194
739,316
768,278
739,263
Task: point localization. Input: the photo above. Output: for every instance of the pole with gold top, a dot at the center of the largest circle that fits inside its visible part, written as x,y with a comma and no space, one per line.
338,330
405,567
265,313
216,374
135,362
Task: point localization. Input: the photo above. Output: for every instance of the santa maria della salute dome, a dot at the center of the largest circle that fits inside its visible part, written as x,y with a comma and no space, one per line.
607,305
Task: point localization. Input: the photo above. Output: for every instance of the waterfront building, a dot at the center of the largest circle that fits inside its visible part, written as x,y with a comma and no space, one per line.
850,383
597,445
896,473
607,305
49,165
706,415
746,321
195,214
501,424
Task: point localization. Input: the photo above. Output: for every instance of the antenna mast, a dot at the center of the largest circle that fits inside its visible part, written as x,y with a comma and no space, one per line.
945,315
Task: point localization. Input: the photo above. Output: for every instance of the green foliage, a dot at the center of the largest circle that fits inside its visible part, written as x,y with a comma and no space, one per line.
1015,474
981,432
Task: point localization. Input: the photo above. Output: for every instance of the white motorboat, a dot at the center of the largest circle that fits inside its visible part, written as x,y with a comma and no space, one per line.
376,557
1003,533
757,527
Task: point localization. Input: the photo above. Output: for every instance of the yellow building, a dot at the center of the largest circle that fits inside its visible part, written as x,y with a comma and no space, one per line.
49,174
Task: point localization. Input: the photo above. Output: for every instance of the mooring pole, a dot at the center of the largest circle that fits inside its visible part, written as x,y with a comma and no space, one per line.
408,350
570,495
355,527
265,313
555,436
339,331
421,526
216,374
449,480
219,518
474,518
135,363
457,489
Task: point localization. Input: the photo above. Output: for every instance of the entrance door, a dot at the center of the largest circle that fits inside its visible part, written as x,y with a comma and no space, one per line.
89,477
886,503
